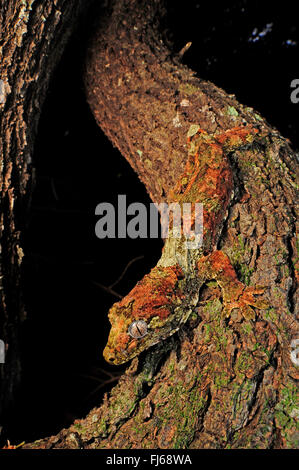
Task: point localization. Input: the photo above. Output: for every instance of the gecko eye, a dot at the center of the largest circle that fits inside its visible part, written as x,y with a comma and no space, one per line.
138,329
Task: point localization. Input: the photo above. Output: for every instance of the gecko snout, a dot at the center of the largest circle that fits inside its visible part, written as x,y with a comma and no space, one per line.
108,355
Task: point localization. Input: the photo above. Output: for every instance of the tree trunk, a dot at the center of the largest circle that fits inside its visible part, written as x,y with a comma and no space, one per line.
216,383
33,36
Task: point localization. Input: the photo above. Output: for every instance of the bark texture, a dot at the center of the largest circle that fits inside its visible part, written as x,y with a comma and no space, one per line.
216,383
33,35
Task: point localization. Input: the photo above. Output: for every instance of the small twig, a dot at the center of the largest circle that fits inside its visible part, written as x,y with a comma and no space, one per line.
54,189
108,289
101,386
125,270
112,377
184,49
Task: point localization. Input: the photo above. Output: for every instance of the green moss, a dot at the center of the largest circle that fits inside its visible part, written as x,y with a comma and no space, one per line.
237,256
247,327
282,420
278,293
249,164
216,331
231,111
78,426
207,337
244,362
289,399
192,130
188,89
212,284
270,314
213,309
262,348
211,205
221,379
102,426
285,414
187,418
182,405
193,316
171,366
258,117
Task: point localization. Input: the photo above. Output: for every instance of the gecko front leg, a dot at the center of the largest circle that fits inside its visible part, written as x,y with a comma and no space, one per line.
235,294
164,299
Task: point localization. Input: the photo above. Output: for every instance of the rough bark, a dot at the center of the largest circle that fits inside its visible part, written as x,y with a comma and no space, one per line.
33,36
215,384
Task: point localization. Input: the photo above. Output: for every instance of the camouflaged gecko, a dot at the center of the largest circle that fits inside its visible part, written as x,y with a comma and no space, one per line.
164,299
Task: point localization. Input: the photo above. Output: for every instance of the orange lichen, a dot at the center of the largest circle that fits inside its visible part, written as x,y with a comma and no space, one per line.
153,293
122,341
208,179
237,136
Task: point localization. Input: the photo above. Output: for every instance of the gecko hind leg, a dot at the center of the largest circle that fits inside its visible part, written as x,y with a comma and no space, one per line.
236,295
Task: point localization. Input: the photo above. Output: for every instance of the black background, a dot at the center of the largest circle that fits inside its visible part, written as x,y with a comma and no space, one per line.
77,168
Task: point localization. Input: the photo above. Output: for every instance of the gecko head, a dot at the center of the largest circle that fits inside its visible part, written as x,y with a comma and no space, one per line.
133,331
144,317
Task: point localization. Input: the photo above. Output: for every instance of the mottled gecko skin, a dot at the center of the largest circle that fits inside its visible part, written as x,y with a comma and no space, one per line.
153,300
208,177
163,300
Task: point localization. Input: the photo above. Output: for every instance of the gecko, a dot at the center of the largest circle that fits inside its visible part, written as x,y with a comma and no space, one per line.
163,300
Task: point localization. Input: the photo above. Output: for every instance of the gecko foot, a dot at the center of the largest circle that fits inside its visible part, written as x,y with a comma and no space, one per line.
245,302
235,294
